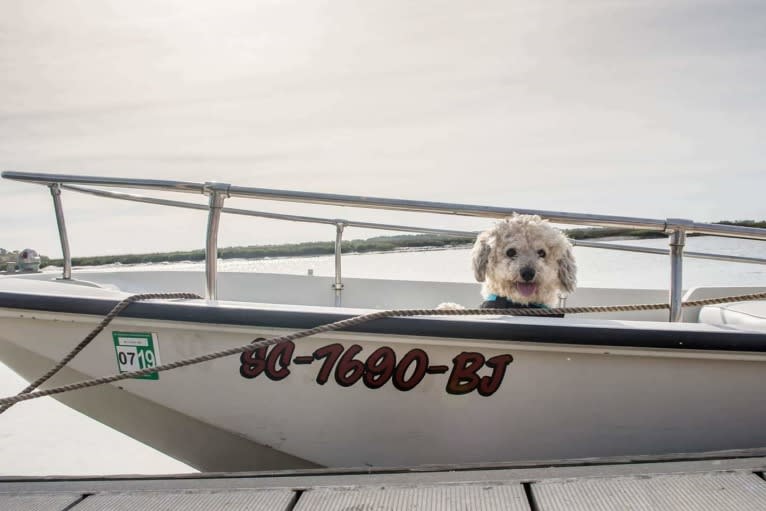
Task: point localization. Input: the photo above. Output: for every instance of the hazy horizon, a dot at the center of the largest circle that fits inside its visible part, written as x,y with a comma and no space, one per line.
652,109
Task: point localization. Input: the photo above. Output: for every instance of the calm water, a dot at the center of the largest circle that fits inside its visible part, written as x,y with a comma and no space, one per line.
45,437
598,268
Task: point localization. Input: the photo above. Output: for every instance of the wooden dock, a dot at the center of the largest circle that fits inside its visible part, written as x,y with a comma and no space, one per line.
723,481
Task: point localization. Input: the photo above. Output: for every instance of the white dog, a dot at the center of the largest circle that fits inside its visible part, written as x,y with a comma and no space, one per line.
523,261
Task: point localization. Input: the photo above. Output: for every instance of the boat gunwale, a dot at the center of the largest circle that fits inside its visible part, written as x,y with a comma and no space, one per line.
546,331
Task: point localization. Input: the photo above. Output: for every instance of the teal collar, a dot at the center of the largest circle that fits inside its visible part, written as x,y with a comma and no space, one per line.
512,304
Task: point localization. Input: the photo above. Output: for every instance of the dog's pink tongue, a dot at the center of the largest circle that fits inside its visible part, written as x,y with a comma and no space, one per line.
526,288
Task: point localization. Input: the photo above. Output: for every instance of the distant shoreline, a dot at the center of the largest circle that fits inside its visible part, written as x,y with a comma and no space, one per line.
380,244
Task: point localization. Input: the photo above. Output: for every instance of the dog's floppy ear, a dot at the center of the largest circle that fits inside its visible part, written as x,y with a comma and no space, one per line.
568,271
480,254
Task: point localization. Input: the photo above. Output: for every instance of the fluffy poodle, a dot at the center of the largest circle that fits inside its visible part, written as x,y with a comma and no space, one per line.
523,261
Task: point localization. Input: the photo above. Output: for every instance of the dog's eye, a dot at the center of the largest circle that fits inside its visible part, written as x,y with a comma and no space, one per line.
511,252
541,253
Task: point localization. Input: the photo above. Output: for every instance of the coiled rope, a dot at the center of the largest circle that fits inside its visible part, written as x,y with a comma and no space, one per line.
28,394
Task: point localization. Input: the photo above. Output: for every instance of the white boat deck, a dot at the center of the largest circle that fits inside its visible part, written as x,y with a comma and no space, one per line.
734,480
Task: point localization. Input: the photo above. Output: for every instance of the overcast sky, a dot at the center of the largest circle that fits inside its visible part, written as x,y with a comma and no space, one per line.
644,108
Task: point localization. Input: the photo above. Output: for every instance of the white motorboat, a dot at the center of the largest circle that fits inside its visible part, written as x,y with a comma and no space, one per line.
396,391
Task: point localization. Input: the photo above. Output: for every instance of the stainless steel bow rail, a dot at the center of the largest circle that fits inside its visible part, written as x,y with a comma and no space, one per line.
29,393
217,193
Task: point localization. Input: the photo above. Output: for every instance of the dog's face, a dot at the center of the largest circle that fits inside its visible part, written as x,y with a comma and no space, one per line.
525,259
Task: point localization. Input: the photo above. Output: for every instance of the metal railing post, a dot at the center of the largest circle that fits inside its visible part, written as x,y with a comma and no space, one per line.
66,273
338,284
218,192
677,242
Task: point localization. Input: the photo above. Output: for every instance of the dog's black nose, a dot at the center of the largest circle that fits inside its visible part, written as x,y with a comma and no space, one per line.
527,274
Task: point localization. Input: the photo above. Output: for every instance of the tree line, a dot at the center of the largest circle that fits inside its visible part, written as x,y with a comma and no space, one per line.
318,248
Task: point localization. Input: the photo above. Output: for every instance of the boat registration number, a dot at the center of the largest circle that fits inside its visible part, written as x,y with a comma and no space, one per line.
347,366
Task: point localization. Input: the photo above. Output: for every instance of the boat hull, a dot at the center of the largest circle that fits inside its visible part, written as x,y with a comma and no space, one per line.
387,399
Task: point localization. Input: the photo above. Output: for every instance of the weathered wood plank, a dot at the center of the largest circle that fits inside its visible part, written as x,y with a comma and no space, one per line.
258,500
698,485
426,498
689,492
309,478
38,502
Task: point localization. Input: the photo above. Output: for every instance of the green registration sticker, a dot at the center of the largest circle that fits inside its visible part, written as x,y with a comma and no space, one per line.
135,351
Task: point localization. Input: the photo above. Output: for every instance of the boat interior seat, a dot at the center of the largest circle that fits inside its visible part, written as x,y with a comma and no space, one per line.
749,315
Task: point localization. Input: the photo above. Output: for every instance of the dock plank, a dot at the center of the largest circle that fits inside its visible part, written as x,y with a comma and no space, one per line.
38,502
704,492
709,484
429,498
257,500
302,479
